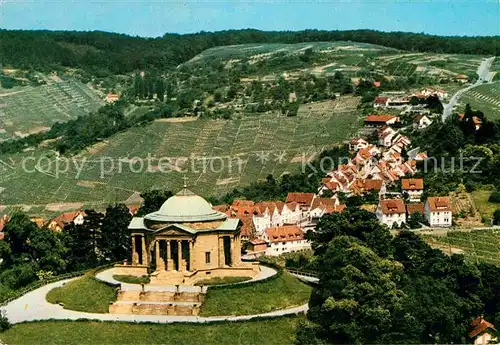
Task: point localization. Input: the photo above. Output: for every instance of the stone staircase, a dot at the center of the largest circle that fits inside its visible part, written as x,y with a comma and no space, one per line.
157,303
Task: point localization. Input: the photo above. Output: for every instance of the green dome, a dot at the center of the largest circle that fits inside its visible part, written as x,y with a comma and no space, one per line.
185,207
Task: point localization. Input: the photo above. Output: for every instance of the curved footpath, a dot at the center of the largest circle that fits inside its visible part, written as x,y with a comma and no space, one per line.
33,306
107,276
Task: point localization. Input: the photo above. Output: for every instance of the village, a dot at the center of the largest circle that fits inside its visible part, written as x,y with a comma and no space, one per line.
380,173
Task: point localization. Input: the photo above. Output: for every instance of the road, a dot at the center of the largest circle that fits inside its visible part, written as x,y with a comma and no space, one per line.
484,74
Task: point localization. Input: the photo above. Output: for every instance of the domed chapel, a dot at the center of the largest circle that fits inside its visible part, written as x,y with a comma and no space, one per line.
185,241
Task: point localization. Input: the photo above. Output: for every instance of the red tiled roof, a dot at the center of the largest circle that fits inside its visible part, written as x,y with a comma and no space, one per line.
300,198
438,204
414,208
379,118
377,83
285,233
412,183
392,206
480,325
133,209
68,217
381,100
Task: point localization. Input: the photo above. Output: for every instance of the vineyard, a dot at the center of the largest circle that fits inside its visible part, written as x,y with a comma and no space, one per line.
479,245
33,109
215,155
485,98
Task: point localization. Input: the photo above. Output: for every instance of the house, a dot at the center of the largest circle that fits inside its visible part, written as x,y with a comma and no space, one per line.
414,187
385,136
380,102
357,144
438,211
133,209
411,209
398,103
477,121
421,122
391,212
462,78
303,199
285,239
112,97
322,206
364,186
57,224
39,221
377,83
380,120
482,332
437,92
256,247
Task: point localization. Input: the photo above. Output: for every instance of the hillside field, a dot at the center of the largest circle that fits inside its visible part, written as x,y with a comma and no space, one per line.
479,245
485,98
29,109
256,145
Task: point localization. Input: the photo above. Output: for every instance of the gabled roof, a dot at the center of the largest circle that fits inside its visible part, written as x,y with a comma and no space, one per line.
381,100
286,233
392,206
412,184
379,118
480,325
300,198
439,204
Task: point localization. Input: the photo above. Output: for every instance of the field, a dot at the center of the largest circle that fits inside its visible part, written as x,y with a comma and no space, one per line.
485,98
479,245
274,331
30,109
484,207
215,155
284,291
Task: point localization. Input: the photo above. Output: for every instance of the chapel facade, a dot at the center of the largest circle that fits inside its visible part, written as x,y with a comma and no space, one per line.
185,241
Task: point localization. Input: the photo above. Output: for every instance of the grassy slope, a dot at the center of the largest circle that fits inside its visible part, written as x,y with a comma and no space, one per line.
484,207
319,125
279,293
84,294
222,281
277,331
132,279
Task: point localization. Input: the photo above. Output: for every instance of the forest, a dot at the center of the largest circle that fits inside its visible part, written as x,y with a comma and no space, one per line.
102,53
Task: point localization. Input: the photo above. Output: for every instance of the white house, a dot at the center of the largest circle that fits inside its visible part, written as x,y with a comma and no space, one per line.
357,144
438,211
414,187
285,239
386,136
438,92
421,122
391,211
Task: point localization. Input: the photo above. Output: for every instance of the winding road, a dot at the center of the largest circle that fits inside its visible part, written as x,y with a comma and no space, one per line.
484,74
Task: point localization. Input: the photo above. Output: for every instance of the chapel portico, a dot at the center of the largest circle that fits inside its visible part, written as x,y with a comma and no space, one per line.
184,242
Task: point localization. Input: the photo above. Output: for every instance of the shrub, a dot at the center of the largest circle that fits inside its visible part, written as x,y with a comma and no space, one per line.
494,197
4,321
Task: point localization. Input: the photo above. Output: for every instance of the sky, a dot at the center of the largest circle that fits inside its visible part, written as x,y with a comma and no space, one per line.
155,18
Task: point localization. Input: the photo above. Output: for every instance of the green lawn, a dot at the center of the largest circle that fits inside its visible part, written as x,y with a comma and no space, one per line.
221,281
486,208
132,279
273,331
485,98
284,291
83,294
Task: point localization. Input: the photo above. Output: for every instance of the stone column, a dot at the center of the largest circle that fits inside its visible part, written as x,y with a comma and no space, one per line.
222,261
191,256
179,255
135,256
160,264
169,261
144,251
233,250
